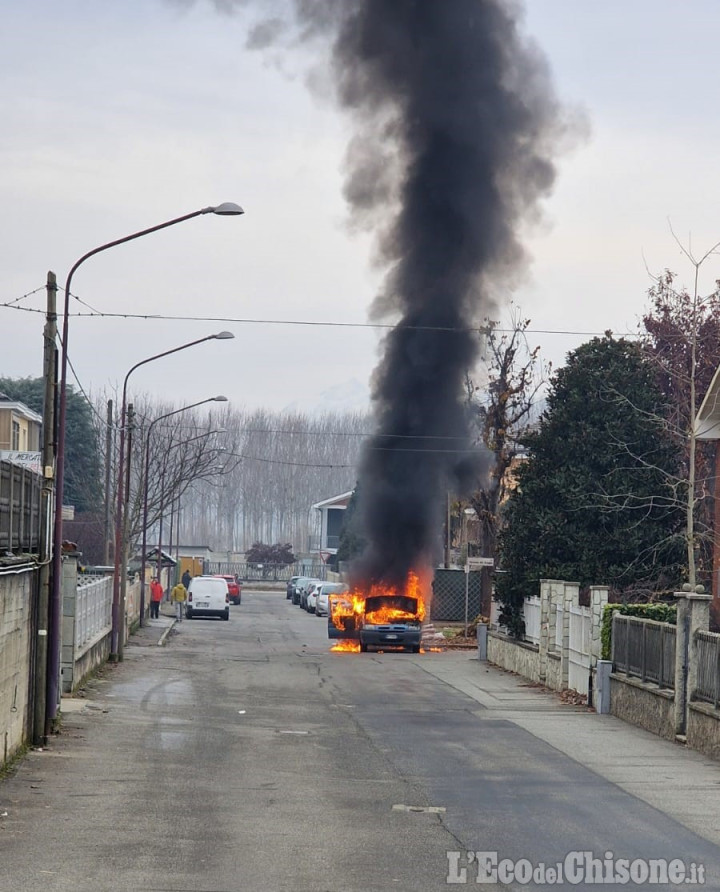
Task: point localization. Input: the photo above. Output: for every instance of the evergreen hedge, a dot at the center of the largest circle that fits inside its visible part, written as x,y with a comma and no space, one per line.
662,613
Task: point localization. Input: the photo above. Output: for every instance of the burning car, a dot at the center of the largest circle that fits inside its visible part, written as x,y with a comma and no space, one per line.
380,618
391,621
342,619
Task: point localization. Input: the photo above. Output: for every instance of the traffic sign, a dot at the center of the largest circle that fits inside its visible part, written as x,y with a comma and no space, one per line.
477,563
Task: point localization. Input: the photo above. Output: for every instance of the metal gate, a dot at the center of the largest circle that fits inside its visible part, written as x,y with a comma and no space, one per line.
580,634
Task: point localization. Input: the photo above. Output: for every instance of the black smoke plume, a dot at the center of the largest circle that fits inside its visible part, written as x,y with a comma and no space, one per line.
456,128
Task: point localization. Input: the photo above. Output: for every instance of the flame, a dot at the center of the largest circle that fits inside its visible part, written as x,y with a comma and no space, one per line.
348,611
346,646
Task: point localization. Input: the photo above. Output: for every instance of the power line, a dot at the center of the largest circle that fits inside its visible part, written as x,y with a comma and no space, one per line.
12,303
258,430
103,420
382,326
274,461
325,323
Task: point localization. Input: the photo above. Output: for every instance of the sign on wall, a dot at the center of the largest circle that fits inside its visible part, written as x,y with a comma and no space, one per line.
30,460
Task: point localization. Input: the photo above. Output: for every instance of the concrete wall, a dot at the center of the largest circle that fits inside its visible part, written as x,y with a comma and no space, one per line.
92,658
643,704
517,656
132,606
17,592
548,662
554,672
703,729
85,645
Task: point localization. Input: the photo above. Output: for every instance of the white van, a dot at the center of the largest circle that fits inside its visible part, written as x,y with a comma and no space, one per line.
208,596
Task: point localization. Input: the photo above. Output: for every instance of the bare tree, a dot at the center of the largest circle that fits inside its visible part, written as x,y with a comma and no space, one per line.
282,463
501,409
682,338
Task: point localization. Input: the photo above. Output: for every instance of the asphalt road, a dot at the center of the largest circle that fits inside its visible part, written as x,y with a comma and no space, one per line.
246,756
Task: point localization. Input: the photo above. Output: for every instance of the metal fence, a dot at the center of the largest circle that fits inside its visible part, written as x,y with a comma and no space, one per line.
20,494
267,572
93,611
708,668
448,600
645,649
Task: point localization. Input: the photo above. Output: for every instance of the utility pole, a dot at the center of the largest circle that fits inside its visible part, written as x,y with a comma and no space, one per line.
108,468
47,510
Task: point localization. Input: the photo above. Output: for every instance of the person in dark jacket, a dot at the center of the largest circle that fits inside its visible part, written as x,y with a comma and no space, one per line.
186,577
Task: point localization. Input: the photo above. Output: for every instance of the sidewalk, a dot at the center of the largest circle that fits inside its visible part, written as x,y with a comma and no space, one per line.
154,632
677,781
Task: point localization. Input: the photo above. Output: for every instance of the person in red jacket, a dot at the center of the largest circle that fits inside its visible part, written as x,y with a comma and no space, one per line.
156,596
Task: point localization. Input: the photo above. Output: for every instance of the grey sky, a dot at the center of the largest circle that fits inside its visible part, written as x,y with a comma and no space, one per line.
119,116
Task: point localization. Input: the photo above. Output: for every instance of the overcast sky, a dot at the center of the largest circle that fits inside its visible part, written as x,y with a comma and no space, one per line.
118,116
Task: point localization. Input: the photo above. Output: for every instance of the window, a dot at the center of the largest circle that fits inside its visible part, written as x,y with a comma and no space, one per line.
15,446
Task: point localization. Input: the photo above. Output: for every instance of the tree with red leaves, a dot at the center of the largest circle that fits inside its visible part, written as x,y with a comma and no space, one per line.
277,555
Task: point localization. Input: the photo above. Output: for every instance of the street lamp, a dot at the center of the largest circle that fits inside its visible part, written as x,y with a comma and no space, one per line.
146,477
118,580
55,613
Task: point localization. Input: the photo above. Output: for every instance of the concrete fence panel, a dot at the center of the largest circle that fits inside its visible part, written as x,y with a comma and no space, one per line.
17,595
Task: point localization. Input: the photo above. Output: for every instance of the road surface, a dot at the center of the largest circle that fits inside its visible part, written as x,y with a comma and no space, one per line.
243,755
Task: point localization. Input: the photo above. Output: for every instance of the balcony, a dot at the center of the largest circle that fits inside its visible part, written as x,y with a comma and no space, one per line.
317,543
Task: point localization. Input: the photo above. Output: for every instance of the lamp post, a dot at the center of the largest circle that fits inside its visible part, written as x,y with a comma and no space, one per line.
212,399
146,476
116,646
55,613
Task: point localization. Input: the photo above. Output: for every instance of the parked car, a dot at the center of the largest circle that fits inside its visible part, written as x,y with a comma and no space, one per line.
296,589
291,587
305,591
311,595
322,605
300,588
208,596
234,587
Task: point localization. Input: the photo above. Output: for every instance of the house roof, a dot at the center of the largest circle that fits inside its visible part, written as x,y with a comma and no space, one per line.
19,408
167,559
340,501
707,420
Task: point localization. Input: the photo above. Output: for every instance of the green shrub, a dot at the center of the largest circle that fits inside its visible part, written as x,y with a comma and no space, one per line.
662,613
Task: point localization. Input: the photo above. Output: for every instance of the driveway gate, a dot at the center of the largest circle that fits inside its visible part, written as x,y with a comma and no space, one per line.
580,634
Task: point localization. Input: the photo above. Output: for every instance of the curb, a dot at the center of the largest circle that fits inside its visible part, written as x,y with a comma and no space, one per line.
166,633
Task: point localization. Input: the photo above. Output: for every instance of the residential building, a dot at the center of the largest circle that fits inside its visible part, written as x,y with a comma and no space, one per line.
20,432
328,525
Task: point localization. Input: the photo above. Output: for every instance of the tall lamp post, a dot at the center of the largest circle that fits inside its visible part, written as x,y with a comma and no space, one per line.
116,645
146,477
55,613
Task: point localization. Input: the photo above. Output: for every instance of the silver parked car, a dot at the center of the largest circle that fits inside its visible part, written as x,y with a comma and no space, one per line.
322,607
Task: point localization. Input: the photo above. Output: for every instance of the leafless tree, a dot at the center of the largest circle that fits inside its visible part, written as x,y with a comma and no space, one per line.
277,465
501,408
681,335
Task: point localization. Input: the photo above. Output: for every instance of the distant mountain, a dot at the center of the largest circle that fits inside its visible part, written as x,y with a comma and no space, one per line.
345,396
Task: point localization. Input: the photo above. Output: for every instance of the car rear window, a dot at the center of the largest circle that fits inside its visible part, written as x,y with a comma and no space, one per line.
218,586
